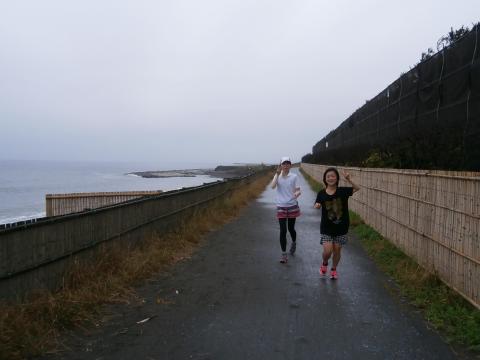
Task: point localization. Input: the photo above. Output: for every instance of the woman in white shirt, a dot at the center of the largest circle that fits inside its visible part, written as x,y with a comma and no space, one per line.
288,191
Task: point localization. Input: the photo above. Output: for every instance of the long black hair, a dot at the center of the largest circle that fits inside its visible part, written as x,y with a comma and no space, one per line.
327,171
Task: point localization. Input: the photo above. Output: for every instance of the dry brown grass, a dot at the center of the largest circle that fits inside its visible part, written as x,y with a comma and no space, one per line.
36,326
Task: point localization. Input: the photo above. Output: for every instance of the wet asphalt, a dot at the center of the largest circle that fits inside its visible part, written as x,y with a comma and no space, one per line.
234,300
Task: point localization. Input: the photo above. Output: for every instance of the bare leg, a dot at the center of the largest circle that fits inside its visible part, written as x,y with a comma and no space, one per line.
337,253
327,251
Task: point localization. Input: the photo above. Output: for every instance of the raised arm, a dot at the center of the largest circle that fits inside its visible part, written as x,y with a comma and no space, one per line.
273,184
348,178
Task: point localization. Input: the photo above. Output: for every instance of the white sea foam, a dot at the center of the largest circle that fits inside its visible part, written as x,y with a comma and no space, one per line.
15,219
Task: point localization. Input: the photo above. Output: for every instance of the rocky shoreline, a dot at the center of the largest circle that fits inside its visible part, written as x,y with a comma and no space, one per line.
221,171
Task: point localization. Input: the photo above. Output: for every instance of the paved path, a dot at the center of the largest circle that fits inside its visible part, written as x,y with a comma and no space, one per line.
236,301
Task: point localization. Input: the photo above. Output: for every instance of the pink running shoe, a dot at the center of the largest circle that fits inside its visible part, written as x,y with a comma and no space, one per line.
323,270
284,258
333,274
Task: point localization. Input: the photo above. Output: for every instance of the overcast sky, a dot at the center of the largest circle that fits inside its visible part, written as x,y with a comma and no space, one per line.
210,81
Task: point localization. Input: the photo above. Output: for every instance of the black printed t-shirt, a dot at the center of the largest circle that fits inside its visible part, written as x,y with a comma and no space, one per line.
335,219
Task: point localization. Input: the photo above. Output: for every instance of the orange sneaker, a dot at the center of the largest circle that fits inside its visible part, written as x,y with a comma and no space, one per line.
333,274
323,270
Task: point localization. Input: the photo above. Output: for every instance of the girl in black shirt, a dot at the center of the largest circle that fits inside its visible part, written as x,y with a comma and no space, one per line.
333,200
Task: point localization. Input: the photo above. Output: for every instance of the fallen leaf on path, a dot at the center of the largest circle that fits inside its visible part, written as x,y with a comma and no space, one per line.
145,320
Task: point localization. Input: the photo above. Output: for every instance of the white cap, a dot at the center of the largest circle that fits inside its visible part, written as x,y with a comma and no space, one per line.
285,158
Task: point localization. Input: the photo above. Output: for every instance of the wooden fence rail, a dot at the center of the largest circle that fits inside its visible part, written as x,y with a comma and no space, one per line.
433,216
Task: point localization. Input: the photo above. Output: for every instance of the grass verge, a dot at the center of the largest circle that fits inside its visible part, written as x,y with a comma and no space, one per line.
443,308
35,327
314,185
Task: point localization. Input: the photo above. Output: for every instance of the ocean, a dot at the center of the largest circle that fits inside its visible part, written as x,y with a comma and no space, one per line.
24,183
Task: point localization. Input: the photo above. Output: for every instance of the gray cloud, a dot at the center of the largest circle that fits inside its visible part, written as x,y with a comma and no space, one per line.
218,80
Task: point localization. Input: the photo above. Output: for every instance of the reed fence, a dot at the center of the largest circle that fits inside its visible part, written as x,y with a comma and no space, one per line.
433,216
38,255
62,204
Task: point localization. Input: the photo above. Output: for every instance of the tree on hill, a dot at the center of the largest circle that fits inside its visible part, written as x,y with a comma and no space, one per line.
446,40
452,37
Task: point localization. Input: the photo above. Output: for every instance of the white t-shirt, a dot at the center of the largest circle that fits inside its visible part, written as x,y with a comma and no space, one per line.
286,186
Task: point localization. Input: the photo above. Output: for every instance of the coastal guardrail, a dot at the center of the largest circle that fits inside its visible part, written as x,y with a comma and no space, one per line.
433,216
37,255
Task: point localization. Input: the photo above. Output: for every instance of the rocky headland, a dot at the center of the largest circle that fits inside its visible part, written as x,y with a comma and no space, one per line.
221,171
